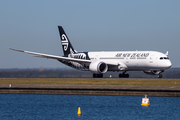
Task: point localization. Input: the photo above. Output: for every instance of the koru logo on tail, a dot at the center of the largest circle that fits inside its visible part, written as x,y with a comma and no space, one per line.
64,42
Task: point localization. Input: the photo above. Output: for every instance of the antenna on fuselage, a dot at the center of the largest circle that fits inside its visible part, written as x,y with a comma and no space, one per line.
167,53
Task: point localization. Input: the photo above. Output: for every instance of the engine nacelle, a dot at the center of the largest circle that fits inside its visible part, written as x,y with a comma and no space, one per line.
98,67
152,72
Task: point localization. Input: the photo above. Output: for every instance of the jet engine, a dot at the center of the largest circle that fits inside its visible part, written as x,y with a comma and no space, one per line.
98,67
152,72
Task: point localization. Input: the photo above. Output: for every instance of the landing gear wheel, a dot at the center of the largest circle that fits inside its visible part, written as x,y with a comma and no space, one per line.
97,75
123,75
160,76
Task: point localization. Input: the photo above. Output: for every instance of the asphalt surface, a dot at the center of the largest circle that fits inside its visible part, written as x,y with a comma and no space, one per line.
110,87
122,90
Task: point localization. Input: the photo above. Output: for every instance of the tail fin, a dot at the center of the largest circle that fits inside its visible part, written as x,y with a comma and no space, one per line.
66,44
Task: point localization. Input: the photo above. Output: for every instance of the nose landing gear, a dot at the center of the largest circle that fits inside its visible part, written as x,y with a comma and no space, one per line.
160,76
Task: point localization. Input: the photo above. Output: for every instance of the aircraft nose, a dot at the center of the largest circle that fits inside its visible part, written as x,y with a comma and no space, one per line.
168,64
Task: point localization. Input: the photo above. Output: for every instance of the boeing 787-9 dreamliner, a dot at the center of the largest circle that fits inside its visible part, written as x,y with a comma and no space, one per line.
151,62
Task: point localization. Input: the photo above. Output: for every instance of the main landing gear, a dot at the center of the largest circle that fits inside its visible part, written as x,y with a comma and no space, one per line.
123,75
97,75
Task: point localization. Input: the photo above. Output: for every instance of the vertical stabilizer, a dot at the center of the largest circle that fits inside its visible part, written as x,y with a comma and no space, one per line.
66,44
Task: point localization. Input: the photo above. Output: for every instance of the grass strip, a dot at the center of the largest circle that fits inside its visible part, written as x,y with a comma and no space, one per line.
91,81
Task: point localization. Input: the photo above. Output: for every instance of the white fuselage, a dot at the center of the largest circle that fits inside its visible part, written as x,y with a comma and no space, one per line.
128,60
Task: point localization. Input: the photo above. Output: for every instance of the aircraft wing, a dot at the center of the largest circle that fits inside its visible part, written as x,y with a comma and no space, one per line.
53,56
62,58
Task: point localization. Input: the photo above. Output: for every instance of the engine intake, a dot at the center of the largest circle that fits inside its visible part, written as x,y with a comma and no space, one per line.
98,67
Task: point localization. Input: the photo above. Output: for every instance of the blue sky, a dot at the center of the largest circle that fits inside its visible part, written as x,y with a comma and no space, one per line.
102,25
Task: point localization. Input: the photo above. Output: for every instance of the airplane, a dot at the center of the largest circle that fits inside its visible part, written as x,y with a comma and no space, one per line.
150,62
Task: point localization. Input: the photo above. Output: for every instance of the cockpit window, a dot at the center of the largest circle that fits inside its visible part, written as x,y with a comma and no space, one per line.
165,58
